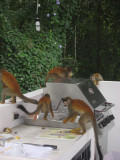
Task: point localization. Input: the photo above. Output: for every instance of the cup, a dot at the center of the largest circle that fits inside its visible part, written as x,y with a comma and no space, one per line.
17,150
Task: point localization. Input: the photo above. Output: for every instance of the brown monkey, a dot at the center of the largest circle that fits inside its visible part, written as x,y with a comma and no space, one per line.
96,77
11,88
44,104
58,73
75,107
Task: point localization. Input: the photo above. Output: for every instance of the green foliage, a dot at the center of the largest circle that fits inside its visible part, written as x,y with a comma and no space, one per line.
97,39
87,30
26,53
30,59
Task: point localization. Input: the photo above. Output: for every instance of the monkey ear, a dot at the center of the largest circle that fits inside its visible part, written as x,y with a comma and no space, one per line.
62,99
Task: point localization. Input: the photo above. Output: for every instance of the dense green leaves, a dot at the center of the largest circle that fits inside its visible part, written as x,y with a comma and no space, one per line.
26,53
97,38
81,33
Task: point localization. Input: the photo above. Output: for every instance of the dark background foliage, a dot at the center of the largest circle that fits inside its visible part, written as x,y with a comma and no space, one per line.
87,31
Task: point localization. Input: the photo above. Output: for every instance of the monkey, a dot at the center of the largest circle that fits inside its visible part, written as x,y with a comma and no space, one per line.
75,107
44,104
10,87
57,73
96,77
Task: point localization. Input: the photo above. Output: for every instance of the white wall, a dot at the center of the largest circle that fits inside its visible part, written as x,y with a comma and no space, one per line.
7,110
111,91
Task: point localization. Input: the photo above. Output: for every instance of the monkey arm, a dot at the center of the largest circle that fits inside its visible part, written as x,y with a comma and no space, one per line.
3,85
67,119
70,118
35,116
50,109
73,117
96,80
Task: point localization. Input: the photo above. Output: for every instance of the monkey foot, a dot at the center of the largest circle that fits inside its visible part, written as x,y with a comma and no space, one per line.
77,130
2,102
44,118
13,102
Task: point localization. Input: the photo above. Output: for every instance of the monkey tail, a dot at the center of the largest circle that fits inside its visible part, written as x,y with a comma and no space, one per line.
21,107
26,99
100,153
96,139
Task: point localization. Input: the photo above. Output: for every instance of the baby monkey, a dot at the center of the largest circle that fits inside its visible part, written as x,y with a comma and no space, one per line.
44,104
96,77
57,73
10,87
75,107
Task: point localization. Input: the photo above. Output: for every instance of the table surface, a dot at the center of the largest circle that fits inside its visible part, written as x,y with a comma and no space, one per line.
65,148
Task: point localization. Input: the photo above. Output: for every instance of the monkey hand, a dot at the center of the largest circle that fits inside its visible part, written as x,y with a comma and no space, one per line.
52,115
65,121
2,102
96,83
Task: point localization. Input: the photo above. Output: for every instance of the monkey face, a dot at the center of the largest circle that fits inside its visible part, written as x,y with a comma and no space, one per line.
92,76
70,74
69,71
66,101
63,100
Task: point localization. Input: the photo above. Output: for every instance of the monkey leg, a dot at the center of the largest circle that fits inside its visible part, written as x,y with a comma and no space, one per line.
52,77
45,110
45,115
51,111
35,116
3,95
82,121
81,129
37,112
13,99
96,82
8,92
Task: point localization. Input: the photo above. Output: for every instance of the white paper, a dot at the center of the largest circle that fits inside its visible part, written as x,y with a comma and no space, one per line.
30,151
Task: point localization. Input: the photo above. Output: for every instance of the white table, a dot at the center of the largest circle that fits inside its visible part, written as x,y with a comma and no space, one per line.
66,148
